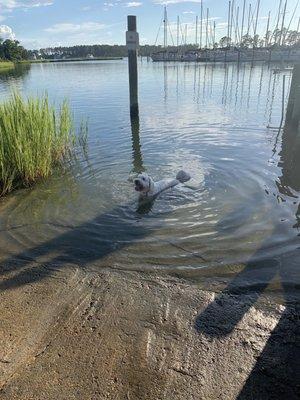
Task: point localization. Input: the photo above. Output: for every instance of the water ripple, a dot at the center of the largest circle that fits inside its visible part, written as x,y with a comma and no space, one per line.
238,204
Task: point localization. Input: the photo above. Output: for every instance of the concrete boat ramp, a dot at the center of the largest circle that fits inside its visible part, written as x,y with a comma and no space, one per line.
72,333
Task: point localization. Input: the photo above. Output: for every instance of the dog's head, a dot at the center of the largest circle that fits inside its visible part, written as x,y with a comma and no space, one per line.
143,183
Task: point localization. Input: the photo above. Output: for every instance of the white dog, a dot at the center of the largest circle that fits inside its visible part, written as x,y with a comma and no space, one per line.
145,185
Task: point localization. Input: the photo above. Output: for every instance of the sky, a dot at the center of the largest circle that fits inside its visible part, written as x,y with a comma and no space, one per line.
48,23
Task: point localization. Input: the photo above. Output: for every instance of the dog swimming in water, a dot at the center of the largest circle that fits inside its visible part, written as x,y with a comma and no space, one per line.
147,188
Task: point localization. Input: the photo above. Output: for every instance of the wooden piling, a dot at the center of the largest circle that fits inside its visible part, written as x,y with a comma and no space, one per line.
293,108
132,43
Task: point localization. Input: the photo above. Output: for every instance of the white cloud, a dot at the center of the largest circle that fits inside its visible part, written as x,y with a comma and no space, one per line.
109,5
2,18
6,32
11,4
75,28
222,25
133,4
165,2
188,12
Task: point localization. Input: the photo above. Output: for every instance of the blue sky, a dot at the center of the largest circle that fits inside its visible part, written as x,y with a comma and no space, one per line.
43,23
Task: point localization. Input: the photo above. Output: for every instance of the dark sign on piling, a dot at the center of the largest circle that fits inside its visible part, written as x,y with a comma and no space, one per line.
132,43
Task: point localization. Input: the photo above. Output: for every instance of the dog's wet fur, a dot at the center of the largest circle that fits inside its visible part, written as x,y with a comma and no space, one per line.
146,187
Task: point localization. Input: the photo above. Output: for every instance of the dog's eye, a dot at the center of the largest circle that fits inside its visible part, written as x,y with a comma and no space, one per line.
143,179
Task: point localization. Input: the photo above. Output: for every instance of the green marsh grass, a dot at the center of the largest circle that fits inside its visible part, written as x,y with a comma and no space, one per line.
35,139
6,65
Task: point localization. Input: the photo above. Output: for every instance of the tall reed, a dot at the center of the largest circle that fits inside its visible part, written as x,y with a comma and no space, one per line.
34,140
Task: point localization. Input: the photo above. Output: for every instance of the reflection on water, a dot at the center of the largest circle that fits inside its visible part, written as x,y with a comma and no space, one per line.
12,76
137,156
209,119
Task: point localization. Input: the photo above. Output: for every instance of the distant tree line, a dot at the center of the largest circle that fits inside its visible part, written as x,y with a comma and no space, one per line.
272,39
277,38
98,50
12,51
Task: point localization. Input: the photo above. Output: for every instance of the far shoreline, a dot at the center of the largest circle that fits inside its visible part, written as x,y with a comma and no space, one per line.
70,60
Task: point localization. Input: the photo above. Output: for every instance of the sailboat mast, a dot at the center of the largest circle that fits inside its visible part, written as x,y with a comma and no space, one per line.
236,33
256,20
201,24
228,27
249,19
267,31
206,28
196,41
214,35
243,20
234,28
177,30
278,18
282,24
231,19
291,20
165,28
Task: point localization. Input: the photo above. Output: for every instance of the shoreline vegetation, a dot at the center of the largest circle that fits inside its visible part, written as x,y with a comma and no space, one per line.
6,65
35,139
11,53
53,60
